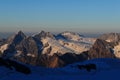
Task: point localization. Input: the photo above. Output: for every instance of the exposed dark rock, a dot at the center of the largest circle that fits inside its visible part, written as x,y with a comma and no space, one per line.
59,60
113,37
14,65
10,51
70,58
28,45
49,61
44,34
101,49
88,67
29,49
17,38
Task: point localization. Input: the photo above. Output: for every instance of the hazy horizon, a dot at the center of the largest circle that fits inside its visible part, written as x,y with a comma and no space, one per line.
9,34
85,16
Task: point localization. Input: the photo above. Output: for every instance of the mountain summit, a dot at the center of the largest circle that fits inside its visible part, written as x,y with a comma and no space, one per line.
45,49
44,34
17,38
70,36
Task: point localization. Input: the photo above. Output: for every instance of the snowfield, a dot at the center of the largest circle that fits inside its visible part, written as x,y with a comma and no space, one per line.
106,69
3,47
117,50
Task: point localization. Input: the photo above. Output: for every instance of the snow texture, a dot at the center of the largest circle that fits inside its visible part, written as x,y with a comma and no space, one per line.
106,69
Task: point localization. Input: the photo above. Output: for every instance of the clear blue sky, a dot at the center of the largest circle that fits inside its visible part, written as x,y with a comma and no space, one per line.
60,15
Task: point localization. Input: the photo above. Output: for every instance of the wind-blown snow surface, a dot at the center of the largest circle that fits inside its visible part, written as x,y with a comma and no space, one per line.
107,69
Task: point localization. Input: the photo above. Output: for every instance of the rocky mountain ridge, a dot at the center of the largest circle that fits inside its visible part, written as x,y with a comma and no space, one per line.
48,50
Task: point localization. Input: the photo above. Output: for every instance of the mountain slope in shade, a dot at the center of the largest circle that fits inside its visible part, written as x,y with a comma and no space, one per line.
114,40
101,49
106,69
110,37
17,38
2,41
27,51
8,48
58,60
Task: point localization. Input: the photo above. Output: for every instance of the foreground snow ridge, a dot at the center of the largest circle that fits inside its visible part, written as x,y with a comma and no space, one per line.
106,69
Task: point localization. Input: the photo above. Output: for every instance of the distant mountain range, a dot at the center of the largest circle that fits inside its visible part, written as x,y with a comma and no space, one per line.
48,50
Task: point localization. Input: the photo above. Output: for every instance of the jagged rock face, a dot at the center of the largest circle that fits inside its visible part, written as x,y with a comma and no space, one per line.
43,60
101,49
9,52
60,60
44,34
49,61
114,40
28,51
42,49
70,58
8,48
111,37
29,47
17,38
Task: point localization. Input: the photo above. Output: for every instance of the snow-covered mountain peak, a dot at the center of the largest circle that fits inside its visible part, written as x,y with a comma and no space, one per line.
70,36
75,37
30,49
69,33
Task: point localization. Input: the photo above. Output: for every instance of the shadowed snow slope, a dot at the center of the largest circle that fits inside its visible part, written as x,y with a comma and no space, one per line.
106,69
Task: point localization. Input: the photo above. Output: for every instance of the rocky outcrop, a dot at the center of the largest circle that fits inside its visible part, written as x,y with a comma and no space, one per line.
44,34
101,49
49,61
16,39
28,51
70,58
60,60
111,37
28,46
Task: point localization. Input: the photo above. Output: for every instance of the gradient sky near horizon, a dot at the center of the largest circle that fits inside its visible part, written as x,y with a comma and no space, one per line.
88,16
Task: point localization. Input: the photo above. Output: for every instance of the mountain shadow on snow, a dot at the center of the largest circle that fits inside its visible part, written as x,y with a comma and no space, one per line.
87,67
14,65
